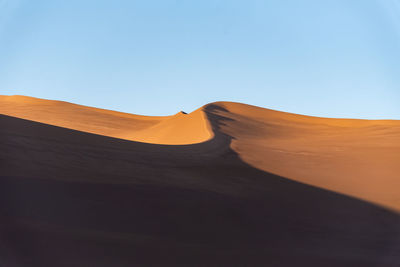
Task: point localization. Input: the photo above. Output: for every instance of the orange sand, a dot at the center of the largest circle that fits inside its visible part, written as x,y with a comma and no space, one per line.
228,184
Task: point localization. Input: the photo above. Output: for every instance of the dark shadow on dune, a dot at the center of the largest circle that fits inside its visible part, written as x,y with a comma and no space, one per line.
69,198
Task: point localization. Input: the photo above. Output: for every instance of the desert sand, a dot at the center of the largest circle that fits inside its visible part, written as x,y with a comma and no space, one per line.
226,185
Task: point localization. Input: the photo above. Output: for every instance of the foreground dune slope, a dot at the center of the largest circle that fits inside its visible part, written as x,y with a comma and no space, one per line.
72,198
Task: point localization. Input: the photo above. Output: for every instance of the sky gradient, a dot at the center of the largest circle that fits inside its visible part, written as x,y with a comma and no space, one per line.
333,58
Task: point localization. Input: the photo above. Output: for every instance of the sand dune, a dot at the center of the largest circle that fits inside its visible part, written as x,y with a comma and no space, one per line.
176,129
179,129
228,184
360,158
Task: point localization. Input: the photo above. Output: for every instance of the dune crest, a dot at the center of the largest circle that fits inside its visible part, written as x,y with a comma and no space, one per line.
180,129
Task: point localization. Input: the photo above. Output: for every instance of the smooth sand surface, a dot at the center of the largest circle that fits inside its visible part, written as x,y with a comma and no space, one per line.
176,129
226,185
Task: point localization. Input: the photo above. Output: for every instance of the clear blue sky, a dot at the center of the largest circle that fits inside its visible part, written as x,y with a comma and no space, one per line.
333,58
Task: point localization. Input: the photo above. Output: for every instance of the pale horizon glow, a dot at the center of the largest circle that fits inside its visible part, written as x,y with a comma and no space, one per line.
320,58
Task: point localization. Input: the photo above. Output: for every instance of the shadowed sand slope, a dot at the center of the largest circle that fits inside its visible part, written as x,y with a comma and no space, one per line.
73,198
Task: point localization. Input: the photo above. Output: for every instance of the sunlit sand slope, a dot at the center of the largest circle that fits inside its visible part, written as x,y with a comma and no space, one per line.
176,129
360,158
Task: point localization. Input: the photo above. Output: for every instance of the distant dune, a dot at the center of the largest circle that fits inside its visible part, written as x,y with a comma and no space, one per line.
176,129
228,184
